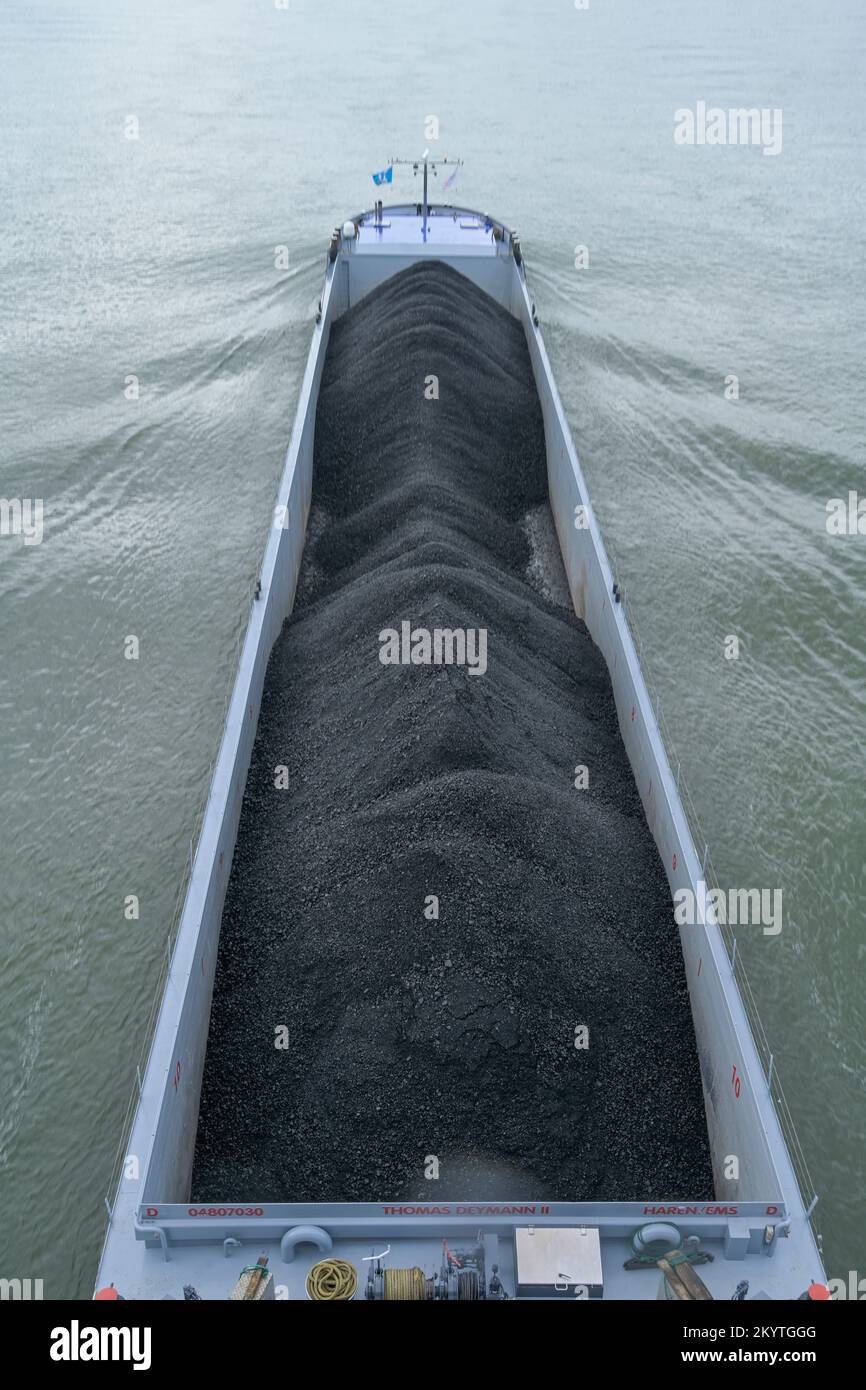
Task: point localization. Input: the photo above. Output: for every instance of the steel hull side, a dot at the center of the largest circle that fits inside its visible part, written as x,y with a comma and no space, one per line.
741,1119
162,1139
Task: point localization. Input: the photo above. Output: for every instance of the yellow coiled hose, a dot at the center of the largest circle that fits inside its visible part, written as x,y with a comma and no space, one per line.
332,1281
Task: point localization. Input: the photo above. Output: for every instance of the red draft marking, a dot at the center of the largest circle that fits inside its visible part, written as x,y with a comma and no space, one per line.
221,858
251,711
675,861
176,1080
632,714
700,963
736,1082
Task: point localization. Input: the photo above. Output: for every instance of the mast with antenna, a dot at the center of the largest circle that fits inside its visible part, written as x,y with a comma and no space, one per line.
426,163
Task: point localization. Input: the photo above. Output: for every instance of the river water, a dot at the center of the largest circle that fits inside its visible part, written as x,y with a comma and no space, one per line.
155,156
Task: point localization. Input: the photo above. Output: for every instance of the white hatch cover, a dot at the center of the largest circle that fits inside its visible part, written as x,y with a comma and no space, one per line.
558,1262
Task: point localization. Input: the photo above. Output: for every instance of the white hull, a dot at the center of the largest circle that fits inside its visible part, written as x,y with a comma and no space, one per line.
758,1228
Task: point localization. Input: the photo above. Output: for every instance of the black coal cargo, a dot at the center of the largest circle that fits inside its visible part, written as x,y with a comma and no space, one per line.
445,970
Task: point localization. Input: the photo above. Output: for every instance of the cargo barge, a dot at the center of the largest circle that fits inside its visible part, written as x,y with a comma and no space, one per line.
497,1229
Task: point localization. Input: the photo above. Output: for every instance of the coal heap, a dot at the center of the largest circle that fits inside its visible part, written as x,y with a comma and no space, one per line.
418,1043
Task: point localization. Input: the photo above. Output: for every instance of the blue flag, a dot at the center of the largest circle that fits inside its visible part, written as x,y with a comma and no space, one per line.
384,176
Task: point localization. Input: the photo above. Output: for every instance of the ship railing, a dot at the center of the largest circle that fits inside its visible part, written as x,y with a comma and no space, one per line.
806,1185
149,1032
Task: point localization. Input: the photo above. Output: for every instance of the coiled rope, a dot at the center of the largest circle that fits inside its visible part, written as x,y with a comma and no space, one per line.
331,1281
406,1284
